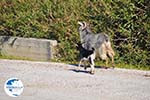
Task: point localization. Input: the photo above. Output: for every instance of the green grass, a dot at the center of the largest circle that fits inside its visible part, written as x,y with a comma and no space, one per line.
97,63
14,58
129,66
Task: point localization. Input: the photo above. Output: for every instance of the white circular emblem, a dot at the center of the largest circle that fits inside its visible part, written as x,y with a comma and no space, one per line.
13,87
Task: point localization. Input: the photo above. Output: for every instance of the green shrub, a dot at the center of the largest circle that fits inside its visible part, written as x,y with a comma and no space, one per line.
126,21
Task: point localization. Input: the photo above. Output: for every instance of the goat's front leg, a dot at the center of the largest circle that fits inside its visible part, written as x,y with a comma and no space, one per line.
79,64
92,65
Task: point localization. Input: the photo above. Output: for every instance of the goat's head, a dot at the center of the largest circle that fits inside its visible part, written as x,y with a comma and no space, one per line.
78,46
83,30
83,25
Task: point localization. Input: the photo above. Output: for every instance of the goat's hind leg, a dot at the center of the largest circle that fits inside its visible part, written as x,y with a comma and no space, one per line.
106,63
112,60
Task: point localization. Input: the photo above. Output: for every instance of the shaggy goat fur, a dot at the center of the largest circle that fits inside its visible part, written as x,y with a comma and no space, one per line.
101,42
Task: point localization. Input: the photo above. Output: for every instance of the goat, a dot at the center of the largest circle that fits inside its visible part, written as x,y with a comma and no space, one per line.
86,55
100,42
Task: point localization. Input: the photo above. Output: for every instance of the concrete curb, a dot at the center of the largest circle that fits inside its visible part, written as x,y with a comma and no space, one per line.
34,49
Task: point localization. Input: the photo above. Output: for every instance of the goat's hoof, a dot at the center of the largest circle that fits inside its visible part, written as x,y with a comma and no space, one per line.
77,70
113,67
85,68
105,67
92,72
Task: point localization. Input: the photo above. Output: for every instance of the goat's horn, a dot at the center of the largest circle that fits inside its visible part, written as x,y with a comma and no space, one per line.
85,25
80,23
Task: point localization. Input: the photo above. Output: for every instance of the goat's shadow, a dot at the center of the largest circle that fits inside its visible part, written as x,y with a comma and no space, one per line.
79,71
84,71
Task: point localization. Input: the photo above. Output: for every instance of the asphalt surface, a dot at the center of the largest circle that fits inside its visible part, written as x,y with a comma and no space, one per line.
58,81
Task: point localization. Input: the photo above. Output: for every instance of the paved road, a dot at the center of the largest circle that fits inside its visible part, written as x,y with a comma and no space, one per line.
57,81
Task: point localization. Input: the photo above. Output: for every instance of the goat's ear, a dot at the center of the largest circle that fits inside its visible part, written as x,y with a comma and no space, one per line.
76,45
84,23
93,49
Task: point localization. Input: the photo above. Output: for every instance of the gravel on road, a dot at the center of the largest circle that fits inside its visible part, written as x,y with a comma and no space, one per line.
59,81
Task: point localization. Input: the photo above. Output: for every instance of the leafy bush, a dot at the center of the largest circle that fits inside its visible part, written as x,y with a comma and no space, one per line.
126,21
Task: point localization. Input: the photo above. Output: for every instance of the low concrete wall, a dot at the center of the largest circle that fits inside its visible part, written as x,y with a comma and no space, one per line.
35,49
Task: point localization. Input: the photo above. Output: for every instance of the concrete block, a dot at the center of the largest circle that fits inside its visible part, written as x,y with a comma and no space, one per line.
36,49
